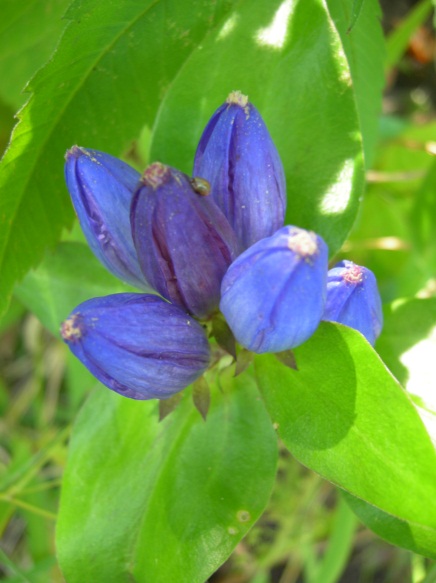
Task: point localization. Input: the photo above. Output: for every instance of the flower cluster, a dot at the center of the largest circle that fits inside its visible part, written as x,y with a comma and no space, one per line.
209,244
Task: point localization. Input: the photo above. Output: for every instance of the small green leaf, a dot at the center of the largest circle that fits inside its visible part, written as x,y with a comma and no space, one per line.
167,406
147,501
400,37
201,396
344,416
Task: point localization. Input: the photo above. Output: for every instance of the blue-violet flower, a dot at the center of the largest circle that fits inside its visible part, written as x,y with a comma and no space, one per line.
353,299
238,157
137,344
101,188
273,295
183,241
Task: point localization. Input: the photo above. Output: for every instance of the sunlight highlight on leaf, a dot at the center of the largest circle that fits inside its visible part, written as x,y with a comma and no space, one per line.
419,361
275,34
338,195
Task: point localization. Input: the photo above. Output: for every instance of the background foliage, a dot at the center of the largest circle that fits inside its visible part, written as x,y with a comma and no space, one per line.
140,80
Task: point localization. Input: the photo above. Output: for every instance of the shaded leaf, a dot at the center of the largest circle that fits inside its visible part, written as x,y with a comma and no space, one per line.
147,501
201,396
167,406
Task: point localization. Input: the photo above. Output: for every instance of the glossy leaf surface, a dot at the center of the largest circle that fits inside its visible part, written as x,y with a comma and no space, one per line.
343,415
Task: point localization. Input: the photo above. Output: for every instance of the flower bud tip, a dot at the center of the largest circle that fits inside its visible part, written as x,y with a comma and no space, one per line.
353,274
71,329
155,175
73,152
302,242
237,98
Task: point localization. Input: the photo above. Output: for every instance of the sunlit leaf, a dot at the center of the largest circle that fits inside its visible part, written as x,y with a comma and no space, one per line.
149,501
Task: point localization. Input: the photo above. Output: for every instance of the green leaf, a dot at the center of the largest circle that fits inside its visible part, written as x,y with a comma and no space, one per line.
146,501
400,37
29,31
355,14
403,533
340,544
407,346
409,329
424,214
105,82
363,42
344,416
288,58
65,279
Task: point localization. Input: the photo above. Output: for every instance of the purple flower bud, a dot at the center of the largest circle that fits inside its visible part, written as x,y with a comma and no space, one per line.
273,295
237,156
184,242
137,345
353,299
101,188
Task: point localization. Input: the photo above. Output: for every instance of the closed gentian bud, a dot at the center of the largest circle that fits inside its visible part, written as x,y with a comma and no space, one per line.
137,344
273,295
184,242
101,188
237,156
353,299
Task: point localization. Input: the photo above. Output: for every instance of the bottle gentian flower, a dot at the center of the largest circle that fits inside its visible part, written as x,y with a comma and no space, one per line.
101,188
273,295
353,299
183,241
138,345
238,157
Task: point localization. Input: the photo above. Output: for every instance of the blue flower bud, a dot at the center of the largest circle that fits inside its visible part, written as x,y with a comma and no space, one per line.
137,344
237,156
353,299
184,242
273,295
101,188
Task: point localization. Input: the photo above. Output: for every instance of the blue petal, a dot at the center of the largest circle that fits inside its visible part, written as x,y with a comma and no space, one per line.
101,188
137,345
273,295
353,299
184,242
238,157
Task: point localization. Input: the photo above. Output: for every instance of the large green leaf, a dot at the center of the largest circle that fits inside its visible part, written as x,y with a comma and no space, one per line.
29,31
288,58
158,502
105,82
65,279
343,415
